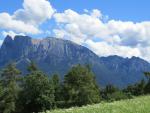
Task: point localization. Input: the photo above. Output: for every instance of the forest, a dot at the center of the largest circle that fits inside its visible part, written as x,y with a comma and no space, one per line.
36,92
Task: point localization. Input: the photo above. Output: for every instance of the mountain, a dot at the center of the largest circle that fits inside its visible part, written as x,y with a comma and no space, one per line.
54,55
128,70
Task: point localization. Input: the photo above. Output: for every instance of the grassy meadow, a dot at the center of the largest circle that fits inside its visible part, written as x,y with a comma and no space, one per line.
136,105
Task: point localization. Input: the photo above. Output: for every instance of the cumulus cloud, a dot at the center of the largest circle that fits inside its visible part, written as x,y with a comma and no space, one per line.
96,13
76,25
28,19
104,49
111,37
34,12
6,22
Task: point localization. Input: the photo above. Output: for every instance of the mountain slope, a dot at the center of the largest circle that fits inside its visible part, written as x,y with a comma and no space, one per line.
54,55
128,70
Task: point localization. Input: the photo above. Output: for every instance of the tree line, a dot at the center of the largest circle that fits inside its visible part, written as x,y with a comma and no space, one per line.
36,92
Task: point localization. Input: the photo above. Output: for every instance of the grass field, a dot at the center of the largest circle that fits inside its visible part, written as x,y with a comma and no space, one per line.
137,105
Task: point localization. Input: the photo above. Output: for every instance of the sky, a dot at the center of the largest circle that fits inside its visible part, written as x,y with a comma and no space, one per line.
107,27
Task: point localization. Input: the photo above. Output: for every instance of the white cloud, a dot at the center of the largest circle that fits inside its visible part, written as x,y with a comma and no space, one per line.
104,49
145,52
34,12
96,13
71,34
113,37
28,19
131,34
77,25
6,22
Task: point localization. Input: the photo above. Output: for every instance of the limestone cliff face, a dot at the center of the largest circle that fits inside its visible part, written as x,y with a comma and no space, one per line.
54,55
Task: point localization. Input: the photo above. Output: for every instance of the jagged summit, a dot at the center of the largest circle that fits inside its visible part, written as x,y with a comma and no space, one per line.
19,38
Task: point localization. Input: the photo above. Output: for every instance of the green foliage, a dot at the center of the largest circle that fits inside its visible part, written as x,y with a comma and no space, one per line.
111,93
80,87
110,89
32,67
147,87
136,89
147,74
56,80
9,89
118,95
107,92
1,97
38,92
57,89
140,88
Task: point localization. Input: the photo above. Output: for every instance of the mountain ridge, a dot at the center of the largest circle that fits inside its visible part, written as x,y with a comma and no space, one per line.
55,55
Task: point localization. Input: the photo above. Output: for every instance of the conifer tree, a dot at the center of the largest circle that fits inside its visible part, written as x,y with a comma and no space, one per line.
147,87
57,89
80,86
38,91
9,78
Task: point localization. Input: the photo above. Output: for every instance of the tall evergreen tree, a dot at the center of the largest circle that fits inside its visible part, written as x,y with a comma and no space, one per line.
57,89
147,87
110,89
80,86
38,92
140,87
10,88
32,67
57,86
1,97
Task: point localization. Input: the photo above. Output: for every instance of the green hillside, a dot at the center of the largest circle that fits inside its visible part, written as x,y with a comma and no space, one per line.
137,105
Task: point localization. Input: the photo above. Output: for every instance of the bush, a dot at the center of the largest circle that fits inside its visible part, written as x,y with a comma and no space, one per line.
118,95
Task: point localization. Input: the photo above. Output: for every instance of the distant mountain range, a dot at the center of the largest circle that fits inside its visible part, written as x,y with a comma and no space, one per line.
54,55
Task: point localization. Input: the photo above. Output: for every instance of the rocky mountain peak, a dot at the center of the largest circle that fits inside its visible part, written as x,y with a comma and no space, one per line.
54,55
7,40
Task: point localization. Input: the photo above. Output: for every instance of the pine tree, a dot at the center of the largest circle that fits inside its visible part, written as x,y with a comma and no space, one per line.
108,92
57,86
1,97
32,67
10,88
140,87
147,87
57,89
38,92
80,86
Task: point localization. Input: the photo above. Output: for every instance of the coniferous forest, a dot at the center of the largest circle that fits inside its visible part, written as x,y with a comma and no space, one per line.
36,92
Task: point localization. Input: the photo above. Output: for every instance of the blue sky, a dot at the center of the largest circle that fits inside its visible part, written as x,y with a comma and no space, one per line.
135,10
111,27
